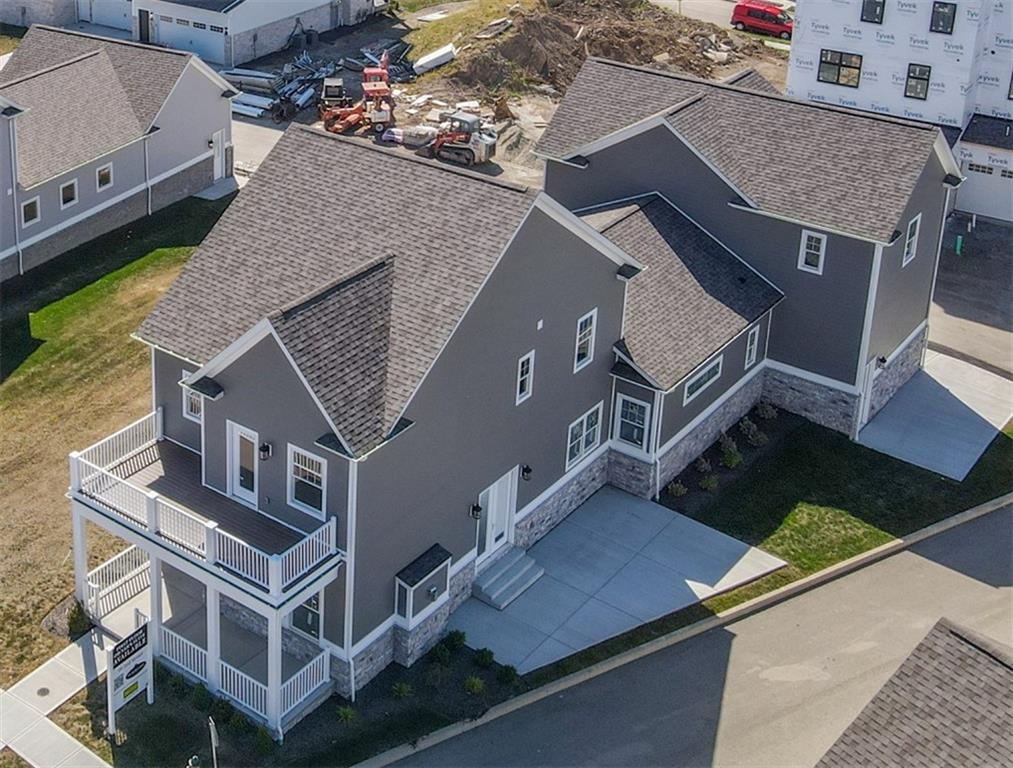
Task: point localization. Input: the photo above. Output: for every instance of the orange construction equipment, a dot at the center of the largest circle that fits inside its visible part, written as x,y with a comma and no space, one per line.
376,108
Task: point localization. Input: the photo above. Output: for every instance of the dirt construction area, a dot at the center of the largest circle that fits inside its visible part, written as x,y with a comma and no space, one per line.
514,60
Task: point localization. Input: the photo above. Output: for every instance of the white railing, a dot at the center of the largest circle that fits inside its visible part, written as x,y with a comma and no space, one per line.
121,445
303,555
180,527
304,682
249,562
116,494
243,689
117,580
184,654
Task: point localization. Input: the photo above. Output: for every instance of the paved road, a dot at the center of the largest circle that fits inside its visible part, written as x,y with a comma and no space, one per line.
715,11
775,689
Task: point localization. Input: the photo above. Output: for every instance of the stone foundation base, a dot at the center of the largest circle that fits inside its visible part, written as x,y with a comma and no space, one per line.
544,518
292,643
58,13
274,36
821,404
895,374
630,474
189,181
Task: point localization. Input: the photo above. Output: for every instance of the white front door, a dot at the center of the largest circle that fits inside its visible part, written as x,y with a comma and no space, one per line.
243,463
218,146
84,10
498,503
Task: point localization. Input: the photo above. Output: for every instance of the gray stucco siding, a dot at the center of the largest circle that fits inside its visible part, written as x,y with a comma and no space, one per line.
168,370
417,489
818,326
904,292
7,211
334,610
675,416
263,393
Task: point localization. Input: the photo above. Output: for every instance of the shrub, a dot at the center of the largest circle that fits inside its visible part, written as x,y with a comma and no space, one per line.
702,465
455,639
440,654
676,488
709,483
221,710
346,714
264,741
202,698
239,722
507,675
766,411
434,675
162,674
474,686
751,432
77,620
727,444
731,459
402,690
484,658
178,685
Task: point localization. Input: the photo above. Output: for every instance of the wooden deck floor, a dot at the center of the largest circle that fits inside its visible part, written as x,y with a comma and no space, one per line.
174,472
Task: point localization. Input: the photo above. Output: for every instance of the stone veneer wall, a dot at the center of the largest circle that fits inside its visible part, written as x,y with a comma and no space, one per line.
678,457
821,404
274,36
411,645
24,13
189,181
541,520
630,474
293,643
896,373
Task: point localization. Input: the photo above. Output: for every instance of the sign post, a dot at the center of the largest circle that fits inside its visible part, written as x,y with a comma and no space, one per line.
129,671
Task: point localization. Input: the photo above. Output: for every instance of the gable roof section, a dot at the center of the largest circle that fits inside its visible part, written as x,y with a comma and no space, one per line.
693,297
308,221
751,80
842,170
949,703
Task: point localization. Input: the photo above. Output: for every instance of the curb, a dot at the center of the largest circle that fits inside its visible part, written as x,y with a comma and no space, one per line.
722,619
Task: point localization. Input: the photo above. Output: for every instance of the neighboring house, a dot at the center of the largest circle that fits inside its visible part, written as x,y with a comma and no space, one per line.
24,13
95,133
949,63
230,32
348,423
950,703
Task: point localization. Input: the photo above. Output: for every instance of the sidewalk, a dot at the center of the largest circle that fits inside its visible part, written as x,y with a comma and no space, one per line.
24,725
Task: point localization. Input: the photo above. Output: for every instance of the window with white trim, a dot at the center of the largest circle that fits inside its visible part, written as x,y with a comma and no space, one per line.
706,376
525,377
584,349
911,240
183,22
306,617
811,250
193,402
219,30
752,343
632,418
307,478
199,25
68,194
103,177
582,436
916,86
30,212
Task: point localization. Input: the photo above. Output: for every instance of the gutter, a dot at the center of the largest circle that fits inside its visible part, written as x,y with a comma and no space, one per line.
14,193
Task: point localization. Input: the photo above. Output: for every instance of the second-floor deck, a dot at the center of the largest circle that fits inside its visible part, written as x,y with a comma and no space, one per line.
154,486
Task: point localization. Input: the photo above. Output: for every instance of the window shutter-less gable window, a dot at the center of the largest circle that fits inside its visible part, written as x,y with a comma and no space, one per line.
306,481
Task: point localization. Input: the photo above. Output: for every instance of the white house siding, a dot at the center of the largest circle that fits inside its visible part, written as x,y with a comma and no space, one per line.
166,29
24,13
106,13
986,194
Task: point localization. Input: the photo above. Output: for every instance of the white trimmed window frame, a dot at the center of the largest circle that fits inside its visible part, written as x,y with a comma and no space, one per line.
621,400
190,397
38,212
586,449
911,240
77,197
803,251
590,334
752,345
99,186
319,611
527,380
702,372
290,481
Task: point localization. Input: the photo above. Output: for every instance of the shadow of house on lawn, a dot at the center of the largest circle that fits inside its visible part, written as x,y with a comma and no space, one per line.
182,224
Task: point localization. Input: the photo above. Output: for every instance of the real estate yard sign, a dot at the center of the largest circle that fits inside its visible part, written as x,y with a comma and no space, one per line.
129,672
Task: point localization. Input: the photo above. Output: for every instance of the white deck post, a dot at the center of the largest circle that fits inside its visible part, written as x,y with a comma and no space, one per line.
75,471
214,637
80,539
159,424
274,575
211,541
274,671
151,510
155,606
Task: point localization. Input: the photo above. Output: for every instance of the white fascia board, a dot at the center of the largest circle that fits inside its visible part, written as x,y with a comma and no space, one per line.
942,149
577,226
629,361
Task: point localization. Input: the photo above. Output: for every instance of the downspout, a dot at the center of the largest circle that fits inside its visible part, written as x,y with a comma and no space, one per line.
353,499
147,176
14,192
863,351
935,267
658,413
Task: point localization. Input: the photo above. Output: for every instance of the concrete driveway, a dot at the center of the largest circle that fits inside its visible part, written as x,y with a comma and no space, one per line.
251,141
944,418
616,562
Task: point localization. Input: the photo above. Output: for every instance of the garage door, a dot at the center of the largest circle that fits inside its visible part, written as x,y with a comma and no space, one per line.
111,13
987,191
200,38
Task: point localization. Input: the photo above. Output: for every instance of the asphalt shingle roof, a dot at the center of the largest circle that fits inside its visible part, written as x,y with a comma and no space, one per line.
989,131
751,80
692,297
318,210
949,704
84,96
830,167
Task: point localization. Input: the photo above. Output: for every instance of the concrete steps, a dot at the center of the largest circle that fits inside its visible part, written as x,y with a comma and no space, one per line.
506,579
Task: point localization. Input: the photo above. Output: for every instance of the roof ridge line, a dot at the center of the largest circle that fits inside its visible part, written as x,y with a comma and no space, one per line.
355,274
980,642
411,157
118,41
51,68
636,207
721,85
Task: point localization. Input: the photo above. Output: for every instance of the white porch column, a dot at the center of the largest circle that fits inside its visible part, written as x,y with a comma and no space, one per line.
155,605
274,670
214,637
80,542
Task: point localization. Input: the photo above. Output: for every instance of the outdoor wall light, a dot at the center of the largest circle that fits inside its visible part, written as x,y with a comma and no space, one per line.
881,361
433,592
476,511
265,451
526,472
211,143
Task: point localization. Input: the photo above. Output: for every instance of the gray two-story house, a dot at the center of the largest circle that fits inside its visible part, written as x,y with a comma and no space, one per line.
351,424
95,133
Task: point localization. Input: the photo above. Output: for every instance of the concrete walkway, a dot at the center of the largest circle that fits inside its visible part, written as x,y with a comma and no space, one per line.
616,562
24,725
944,418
